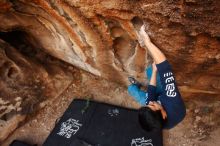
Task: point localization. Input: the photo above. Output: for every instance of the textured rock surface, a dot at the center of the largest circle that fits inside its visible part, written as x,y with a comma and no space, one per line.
26,83
99,36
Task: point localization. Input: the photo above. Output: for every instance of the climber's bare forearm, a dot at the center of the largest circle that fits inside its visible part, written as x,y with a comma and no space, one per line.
153,80
155,52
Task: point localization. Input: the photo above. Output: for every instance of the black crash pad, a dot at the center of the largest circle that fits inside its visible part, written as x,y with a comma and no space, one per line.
89,123
18,143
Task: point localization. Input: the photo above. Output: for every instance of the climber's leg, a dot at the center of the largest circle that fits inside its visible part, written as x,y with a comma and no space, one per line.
139,95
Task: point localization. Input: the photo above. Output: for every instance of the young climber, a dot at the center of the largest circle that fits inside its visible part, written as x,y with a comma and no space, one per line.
164,105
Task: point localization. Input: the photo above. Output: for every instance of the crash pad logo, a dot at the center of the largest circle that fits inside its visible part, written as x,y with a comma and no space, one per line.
69,128
113,112
141,142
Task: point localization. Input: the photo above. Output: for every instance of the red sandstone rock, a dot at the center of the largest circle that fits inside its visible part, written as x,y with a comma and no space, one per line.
99,37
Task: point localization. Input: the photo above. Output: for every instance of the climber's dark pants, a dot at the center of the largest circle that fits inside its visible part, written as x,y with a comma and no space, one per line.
170,98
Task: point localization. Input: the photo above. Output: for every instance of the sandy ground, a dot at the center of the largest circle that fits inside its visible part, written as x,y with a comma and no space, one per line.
201,127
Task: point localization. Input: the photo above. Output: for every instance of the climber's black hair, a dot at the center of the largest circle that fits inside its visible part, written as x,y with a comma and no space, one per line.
150,120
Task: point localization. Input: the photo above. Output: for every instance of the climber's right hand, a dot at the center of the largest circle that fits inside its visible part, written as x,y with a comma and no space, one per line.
143,35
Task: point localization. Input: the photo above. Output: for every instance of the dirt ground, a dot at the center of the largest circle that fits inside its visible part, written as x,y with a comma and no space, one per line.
201,127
